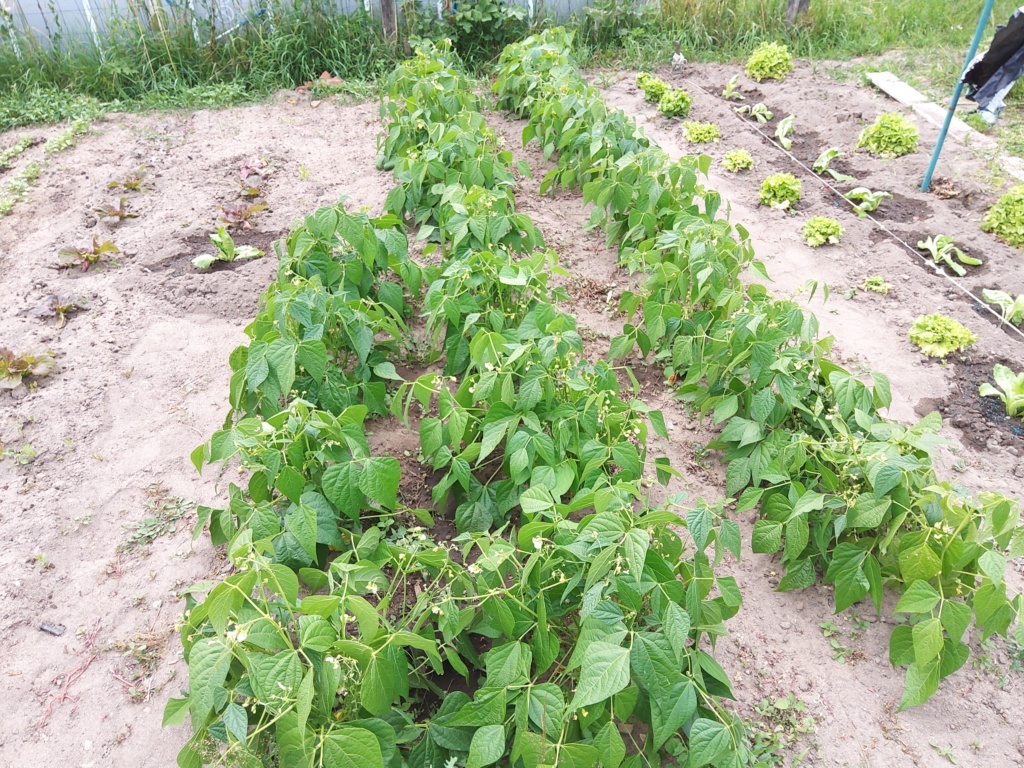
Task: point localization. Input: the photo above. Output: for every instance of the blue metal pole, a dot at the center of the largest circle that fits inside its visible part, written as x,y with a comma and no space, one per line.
982,23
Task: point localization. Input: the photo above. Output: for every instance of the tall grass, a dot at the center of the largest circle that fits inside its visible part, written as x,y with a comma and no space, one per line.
161,55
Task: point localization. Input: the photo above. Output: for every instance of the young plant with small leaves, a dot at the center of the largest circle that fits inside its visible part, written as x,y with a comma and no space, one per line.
876,284
769,61
17,188
944,251
653,87
784,131
60,307
780,190
227,251
1009,388
87,254
939,336
15,368
240,214
732,89
9,155
759,112
112,215
821,165
133,182
1012,309
865,200
821,230
891,135
736,160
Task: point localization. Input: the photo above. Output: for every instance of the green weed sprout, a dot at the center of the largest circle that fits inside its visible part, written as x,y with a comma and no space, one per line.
1005,219
1010,389
819,230
736,160
675,103
770,61
701,133
938,336
780,190
891,135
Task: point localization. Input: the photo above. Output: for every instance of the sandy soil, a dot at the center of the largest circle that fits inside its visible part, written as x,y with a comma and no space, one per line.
142,378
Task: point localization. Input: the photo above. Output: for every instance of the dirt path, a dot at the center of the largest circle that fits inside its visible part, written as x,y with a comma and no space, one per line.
142,379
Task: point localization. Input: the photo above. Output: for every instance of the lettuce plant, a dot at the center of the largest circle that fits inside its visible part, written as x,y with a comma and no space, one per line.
86,254
653,87
1010,391
701,133
737,160
759,112
891,135
819,230
821,165
732,89
675,103
784,131
876,284
1010,308
938,336
780,190
14,368
1005,219
769,61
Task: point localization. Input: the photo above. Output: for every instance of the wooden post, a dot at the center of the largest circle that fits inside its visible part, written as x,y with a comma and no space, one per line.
388,19
795,9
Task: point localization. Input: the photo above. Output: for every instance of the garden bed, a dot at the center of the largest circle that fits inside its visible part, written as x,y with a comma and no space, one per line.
142,379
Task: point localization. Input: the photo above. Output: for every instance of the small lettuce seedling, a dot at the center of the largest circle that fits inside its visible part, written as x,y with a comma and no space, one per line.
675,103
114,215
769,61
759,112
1011,389
938,336
654,88
819,230
1005,219
783,132
226,251
736,160
1010,308
732,89
133,182
239,214
891,135
701,133
59,306
780,190
865,200
944,251
876,284
87,254
14,368
821,165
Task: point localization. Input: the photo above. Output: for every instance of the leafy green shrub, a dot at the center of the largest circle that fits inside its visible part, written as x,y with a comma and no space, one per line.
653,87
770,61
736,160
675,103
1005,219
780,190
1010,391
701,133
938,335
478,28
819,230
891,135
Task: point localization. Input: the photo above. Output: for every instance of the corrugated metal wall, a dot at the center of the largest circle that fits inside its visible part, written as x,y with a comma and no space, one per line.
47,20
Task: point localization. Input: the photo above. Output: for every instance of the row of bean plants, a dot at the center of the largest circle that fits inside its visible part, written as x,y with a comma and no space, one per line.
844,494
567,623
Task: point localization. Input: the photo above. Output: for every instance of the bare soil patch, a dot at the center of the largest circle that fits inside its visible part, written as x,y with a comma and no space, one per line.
142,379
